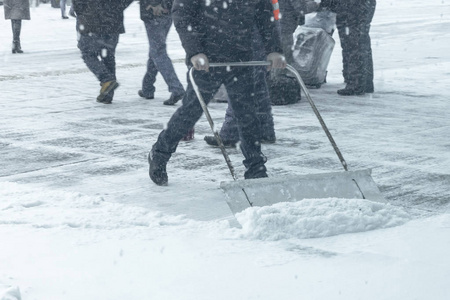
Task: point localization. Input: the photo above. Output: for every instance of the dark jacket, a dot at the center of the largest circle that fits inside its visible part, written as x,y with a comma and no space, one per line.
17,9
223,30
147,15
329,4
100,16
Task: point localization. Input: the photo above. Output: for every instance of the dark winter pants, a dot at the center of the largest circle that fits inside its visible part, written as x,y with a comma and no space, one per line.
353,24
98,53
239,84
229,130
16,26
157,30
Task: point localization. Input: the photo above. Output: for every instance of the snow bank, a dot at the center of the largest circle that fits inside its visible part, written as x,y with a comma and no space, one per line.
11,293
314,218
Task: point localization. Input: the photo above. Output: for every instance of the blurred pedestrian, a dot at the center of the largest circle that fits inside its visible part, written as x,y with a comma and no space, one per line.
353,18
219,32
16,11
99,23
62,4
158,20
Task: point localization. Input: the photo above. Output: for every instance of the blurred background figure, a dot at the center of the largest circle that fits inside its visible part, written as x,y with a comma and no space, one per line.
62,4
353,18
158,20
16,11
99,24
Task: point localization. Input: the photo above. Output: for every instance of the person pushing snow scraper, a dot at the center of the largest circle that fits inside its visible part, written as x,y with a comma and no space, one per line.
220,32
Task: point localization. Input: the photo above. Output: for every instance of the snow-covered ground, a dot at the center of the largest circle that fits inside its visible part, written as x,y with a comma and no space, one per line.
80,219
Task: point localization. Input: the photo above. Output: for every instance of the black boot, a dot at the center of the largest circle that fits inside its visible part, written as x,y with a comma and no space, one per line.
157,170
211,140
173,99
255,168
350,90
16,47
256,172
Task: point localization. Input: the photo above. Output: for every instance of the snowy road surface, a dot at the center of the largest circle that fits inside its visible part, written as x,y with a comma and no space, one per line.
80,219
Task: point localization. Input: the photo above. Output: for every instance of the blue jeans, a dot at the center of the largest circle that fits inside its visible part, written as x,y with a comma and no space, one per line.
242,102
158,60
99,54
62,4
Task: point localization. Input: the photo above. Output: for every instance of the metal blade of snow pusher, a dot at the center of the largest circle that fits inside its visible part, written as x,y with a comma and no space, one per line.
242,194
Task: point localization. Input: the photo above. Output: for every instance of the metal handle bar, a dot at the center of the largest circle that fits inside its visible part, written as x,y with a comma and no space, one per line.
263,63
211,124
319,117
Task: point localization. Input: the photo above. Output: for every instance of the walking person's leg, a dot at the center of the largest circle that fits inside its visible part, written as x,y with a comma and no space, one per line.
92,47
357,51
229,131
109,59
179,125
342,27
264,111
148,82
16,26
240,87
62,4
157,31
367,47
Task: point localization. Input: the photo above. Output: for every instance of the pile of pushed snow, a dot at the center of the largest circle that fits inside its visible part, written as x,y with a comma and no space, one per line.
314,218
11,293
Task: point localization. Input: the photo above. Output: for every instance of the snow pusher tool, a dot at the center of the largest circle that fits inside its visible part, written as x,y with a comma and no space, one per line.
242,194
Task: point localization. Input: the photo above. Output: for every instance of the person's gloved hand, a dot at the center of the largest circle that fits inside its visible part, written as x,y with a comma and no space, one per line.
311,6
200,62
277,59
158,10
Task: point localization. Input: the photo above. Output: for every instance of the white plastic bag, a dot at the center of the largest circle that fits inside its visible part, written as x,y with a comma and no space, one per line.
324,19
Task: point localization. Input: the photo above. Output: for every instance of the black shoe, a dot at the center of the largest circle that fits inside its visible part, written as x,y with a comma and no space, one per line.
141,94
173,99
157,170
350,91
72,13
64,17
16,48
256,172
107,99
211,140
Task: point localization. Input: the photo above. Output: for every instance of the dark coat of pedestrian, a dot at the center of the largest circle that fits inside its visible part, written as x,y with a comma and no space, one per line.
157,20
100,22
16,11
353,19
218,31
100,16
